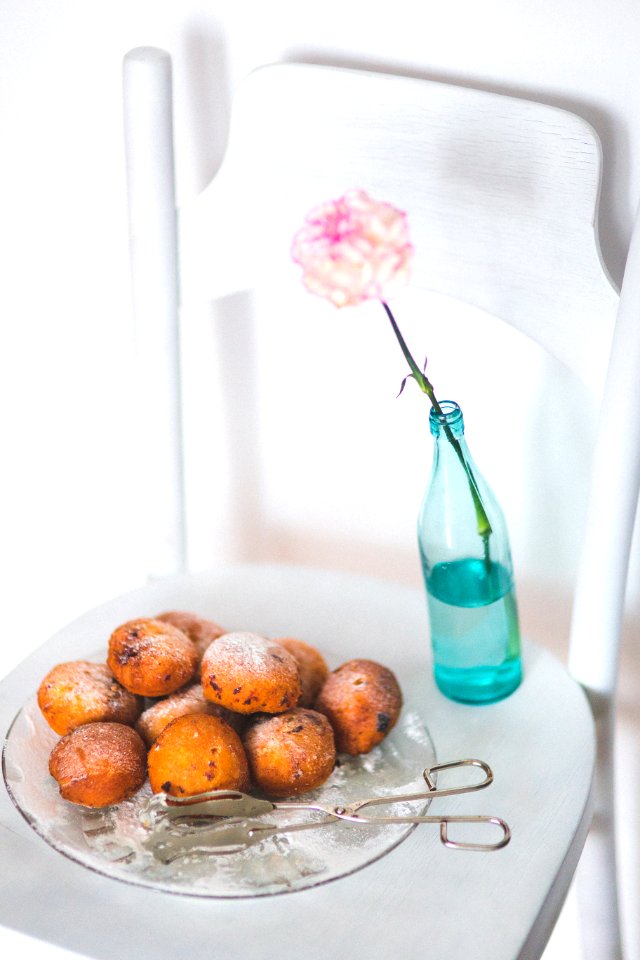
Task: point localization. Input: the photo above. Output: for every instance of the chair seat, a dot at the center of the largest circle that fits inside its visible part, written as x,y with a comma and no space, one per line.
539,743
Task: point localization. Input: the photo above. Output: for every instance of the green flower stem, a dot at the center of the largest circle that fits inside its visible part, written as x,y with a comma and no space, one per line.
482,520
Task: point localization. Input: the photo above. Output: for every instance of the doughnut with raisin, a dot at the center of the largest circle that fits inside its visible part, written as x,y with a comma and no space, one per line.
99,764
196,753
362,701
246,673
290,753
312,666
80,692
151,658
200,631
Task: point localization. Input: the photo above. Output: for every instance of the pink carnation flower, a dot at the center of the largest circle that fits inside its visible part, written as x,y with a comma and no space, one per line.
353,249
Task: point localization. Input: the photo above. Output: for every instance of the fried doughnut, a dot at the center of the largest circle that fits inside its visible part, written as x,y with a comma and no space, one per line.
248,674
312,666
151,658
187,700
196,753
99,764
80,692
200,631
362,701
290,753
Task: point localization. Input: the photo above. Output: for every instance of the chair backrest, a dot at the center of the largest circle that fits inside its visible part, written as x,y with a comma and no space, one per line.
502,196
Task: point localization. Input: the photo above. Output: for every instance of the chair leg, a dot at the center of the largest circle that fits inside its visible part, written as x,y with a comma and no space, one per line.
596,877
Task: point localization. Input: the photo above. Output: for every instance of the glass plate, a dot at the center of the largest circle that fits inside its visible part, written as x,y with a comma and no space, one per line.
111,840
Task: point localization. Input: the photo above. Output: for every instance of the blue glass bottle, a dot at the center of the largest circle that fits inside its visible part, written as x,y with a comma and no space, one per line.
468,573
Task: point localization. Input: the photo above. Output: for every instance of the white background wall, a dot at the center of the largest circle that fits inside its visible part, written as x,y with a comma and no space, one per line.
72,482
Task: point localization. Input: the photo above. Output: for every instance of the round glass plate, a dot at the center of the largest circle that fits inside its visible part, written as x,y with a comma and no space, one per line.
114,842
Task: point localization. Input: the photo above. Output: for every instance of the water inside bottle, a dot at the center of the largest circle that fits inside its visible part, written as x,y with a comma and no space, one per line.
474,630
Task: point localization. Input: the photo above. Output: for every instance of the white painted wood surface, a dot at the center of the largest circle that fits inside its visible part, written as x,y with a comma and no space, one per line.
148,137
419,900
614,496
594,652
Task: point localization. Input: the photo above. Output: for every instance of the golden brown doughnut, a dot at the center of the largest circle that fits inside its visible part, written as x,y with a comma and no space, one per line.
187,700
312,666
362,701
248,674
80,692
196,753
290,753
200,631
99,764
151,658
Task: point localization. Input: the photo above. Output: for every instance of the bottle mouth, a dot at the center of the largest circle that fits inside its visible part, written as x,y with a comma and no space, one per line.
451,417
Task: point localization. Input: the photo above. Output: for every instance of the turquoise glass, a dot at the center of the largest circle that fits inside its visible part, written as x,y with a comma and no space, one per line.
468,573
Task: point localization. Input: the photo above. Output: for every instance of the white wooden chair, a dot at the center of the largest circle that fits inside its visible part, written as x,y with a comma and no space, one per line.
527,255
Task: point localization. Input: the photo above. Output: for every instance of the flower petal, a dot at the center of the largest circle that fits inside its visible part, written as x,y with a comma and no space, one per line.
353,249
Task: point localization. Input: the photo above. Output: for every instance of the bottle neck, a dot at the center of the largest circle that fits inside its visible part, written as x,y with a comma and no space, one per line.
452,463
448,423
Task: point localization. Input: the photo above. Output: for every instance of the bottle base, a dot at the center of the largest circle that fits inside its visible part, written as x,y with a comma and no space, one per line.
479,684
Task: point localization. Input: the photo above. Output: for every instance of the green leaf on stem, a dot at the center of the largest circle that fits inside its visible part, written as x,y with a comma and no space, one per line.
409,376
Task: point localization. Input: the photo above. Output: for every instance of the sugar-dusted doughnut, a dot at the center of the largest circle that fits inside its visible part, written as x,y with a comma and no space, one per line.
151,658
196,753
290,753
248,674
187,700
312,666
99,764
200,631
362,701
80,692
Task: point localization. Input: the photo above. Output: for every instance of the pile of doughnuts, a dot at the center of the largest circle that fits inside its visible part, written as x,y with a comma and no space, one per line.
196,708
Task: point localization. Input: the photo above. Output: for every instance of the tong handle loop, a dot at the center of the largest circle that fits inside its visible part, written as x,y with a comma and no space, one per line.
453,765
432,793
470,845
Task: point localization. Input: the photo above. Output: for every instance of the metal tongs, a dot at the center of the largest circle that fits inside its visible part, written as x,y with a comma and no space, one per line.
227,821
